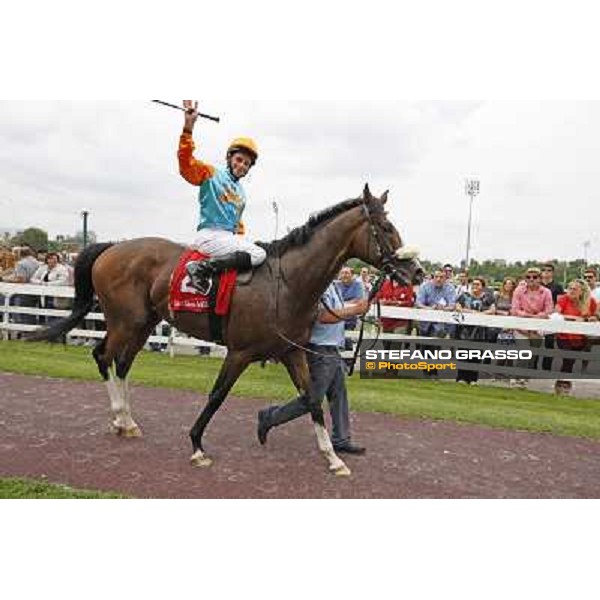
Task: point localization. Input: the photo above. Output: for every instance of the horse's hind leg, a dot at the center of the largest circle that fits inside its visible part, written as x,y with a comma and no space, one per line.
300,375
122,422
234,365
114,357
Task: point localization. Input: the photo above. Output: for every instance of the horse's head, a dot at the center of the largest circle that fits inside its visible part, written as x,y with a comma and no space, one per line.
378,243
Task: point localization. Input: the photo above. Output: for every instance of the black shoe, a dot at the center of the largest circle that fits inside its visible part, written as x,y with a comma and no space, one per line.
263,425
349,448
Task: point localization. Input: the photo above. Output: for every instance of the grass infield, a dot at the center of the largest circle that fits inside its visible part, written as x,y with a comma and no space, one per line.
495,407
21,489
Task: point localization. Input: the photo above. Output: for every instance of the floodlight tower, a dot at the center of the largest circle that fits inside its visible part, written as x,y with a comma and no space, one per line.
471,190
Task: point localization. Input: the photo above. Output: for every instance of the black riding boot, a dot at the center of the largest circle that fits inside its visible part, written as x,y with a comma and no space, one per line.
201,271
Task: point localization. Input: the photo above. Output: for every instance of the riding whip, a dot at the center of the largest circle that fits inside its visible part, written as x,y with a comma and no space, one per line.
204,116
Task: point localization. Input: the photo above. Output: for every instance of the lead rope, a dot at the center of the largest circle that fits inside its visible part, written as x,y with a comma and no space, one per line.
372,294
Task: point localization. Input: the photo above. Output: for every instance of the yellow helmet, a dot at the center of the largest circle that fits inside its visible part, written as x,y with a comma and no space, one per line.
243,144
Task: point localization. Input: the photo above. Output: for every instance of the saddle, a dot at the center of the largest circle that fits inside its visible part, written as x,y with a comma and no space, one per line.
215,300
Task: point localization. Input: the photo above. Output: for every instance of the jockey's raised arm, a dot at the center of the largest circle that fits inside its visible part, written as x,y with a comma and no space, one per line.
221,200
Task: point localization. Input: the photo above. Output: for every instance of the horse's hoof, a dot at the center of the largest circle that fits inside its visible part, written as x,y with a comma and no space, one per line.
200,460
342,471
127,432
132,432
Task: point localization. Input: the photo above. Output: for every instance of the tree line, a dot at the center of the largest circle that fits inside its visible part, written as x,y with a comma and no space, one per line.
495,270
38,239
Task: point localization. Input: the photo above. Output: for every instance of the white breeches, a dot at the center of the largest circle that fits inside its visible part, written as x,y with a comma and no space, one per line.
218,243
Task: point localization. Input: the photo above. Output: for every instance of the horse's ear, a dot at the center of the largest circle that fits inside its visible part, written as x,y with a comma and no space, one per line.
367,193
384,197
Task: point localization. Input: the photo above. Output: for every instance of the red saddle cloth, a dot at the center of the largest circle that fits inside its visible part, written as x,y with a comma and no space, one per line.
183,296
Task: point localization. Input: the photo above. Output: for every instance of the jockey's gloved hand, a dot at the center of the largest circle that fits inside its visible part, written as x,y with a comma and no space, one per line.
191,115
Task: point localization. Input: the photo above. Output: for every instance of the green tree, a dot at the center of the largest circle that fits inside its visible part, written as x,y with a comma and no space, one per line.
92,238
34,237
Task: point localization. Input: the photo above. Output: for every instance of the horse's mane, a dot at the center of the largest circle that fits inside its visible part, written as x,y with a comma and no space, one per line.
300,235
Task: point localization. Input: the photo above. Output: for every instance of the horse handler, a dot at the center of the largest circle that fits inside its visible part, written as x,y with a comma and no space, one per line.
222,201
327,372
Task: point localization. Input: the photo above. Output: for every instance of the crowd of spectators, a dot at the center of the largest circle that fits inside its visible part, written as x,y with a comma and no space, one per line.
534,295
24,265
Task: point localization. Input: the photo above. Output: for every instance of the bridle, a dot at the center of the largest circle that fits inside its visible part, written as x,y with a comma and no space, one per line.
382,248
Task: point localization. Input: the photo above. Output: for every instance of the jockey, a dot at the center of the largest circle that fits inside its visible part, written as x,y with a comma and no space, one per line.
222,201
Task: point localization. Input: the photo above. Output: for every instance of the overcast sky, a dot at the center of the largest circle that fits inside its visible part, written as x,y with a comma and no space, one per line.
537,162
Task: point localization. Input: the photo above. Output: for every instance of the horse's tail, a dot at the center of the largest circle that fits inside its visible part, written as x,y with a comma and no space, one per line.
84,296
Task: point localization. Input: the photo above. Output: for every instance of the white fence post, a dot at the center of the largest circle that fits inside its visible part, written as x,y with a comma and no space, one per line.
6,318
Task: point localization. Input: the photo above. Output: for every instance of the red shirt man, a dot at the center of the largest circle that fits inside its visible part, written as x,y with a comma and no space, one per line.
394,294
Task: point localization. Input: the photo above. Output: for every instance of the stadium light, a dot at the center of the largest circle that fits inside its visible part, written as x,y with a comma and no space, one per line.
586,248
471,190
85,215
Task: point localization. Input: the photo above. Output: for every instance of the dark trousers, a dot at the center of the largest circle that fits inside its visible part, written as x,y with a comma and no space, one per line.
328,379
569,363
25,301
549,345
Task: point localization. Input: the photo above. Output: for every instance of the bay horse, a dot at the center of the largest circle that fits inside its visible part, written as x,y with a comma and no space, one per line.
270,317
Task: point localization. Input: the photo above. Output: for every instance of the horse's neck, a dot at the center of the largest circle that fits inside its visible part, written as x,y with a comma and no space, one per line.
311,268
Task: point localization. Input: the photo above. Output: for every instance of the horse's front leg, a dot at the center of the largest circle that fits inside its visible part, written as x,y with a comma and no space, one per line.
235,364
313,383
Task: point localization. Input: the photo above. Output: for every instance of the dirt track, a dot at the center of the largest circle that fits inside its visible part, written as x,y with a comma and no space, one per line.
59,429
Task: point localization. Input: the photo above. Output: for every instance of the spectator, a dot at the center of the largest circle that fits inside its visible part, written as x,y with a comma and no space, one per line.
69,264
53,273
576,305
557,290
7,267
547,279
7,262
478,300
394,294
464,284
448,270
534,301
365,279
503,298
351,290
41,256
24,271
591,277
502,306
436,294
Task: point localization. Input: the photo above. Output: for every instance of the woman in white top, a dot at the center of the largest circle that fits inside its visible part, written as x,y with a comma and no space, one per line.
52,273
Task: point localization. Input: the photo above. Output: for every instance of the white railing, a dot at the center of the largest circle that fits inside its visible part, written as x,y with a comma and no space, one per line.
545,326
496,321
9,290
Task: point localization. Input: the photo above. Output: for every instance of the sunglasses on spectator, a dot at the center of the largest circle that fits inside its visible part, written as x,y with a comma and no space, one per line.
532,277
590,276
